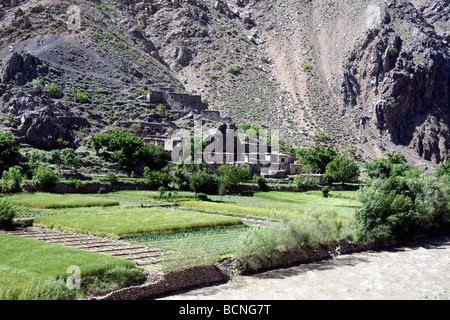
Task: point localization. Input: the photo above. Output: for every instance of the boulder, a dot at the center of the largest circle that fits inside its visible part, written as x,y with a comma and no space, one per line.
42,129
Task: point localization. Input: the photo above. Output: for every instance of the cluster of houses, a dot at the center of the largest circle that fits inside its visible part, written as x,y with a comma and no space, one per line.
225,145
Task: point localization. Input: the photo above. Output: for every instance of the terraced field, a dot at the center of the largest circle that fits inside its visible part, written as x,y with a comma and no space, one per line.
144,256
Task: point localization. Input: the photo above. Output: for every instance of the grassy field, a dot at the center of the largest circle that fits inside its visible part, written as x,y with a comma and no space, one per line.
123,220
217,241
40,200
31,269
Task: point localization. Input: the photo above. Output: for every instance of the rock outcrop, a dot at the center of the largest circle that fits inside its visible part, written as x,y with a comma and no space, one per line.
401,79
42,129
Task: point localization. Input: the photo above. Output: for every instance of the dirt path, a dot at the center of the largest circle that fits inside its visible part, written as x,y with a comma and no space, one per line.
417,271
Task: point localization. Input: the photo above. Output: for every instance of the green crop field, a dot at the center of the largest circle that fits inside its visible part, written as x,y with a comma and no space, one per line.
31,269
40,200
121,221
217,241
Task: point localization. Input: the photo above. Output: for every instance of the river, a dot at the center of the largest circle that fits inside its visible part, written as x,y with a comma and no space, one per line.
417,271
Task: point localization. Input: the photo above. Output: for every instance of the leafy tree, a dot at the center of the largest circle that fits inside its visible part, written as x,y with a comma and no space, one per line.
35,158
55,157
156,179
399,208
71,160
443,169
155,156
222,188
98,141
318,158
233,175
11,180
9,151
44,177
341,169
127,149
394,165
203,182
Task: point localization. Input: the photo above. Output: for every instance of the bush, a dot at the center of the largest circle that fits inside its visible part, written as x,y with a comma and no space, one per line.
11,180
82,97
325,192
53,90
37,85
261,181
393,51
110,177
260,247
7,213
302,182
77,183
202,197
161,109
156,179
9,151
44,177
443,169
234,68
401,208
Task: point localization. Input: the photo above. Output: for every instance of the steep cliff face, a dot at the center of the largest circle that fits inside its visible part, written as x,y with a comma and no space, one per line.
372,74
398,78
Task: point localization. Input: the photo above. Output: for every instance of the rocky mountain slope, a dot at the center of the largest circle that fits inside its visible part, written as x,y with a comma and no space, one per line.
372,74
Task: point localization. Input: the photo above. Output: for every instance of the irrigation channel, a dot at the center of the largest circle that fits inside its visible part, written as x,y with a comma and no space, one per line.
416,271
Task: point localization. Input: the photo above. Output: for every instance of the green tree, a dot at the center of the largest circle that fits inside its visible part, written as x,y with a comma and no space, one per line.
397,208
156,179
11,180
393,165
71,160
203,182
35,158
9,151
55,157
233,175
44,177
98,141
318,158
341,169
155,156
126,148
443,169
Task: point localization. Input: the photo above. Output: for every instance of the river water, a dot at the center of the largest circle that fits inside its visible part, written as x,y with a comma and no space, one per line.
417,271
